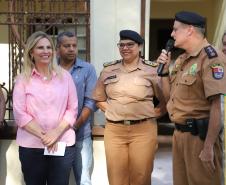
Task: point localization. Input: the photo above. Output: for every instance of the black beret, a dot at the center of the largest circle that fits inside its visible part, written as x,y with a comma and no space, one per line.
191,18
131,35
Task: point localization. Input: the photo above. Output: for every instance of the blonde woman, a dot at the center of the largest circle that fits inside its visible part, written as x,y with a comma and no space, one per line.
45,109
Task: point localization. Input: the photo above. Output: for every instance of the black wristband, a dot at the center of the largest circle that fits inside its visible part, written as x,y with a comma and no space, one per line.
163,74
75,127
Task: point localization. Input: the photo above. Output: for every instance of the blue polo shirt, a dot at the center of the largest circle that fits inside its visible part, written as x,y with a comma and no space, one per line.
85,78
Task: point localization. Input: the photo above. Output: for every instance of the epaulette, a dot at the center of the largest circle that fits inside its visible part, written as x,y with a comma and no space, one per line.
210,51
106,64
150,63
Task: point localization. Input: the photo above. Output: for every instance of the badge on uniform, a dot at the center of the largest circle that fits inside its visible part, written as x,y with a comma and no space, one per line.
193,69
217,71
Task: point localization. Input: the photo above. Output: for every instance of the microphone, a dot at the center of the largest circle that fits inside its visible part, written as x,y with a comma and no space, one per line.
168,48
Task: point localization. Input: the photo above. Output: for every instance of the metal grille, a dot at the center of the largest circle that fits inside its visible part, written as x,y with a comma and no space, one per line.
24,17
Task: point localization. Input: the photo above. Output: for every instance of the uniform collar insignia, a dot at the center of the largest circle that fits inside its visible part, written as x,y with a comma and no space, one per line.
106,64
150,63
210,51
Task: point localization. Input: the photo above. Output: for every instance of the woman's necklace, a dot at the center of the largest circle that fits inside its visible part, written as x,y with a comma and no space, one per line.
47,76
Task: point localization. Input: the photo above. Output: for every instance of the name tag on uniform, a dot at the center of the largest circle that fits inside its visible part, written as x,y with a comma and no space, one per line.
111,77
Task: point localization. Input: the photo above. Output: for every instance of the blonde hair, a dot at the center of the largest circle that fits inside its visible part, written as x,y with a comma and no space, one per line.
29,62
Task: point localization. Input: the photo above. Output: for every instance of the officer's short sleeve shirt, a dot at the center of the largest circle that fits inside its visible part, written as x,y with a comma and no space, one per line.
129,94
193,80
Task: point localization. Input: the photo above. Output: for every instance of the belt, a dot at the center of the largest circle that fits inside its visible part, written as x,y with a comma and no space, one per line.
129,122
183,128
191,125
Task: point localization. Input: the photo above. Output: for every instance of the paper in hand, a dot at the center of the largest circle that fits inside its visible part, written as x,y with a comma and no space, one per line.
61,146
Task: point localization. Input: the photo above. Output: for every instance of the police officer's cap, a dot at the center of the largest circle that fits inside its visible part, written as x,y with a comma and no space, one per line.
131,35
191,18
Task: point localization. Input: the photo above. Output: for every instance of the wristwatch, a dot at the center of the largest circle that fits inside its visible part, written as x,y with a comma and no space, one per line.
163,74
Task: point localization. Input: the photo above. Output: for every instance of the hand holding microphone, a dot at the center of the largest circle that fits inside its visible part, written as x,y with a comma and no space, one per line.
168,48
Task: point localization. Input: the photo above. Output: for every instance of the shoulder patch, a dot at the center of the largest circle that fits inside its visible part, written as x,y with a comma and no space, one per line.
150,63
106,64
211,52
217,71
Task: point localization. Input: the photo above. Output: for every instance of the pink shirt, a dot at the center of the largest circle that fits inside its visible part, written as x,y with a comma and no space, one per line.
46,102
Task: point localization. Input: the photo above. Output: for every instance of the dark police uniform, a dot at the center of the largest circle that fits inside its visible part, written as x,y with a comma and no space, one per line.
194,79
130,135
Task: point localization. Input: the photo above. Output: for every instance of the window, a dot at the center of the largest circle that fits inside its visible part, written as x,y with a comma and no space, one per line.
23,17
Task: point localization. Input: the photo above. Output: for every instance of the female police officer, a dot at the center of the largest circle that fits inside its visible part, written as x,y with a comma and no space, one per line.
125,91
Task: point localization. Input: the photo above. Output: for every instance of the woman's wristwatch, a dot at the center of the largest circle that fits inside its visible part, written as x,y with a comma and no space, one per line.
163,74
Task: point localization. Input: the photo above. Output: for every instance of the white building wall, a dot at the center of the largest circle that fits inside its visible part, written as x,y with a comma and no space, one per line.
4,64
147,27
107,19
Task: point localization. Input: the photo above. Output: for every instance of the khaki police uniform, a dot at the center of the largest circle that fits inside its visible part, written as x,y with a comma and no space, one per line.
193,80
130,135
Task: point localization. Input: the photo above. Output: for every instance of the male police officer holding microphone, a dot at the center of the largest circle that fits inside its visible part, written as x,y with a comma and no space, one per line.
193,90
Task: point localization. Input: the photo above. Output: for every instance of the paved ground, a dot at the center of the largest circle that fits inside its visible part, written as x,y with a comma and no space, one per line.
162,174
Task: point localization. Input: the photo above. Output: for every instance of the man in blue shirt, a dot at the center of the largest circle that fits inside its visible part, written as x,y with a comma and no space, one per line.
85,78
